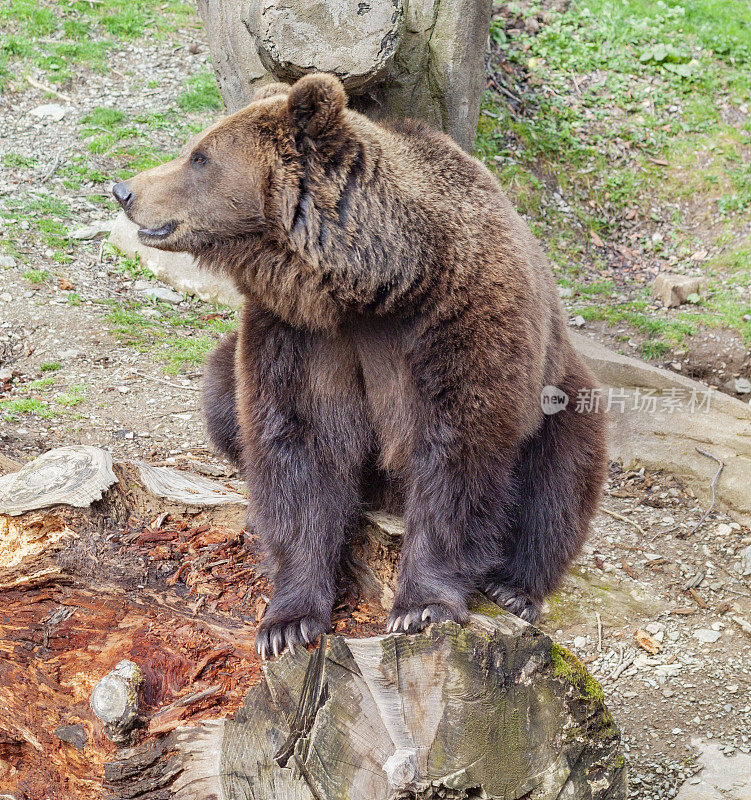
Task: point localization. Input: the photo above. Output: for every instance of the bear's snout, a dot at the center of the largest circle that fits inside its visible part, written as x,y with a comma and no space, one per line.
123,194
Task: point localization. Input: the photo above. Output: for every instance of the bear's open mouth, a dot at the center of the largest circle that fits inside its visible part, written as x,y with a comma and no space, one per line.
158,233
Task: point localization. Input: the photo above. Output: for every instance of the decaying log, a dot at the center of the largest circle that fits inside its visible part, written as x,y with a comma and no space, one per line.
494,710
165,583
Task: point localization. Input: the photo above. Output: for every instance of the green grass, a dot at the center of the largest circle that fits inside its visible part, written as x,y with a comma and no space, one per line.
662,333
201,95
71,398
11,160
60,37
36,276
48,217
177,340
628,106
125,265
10,410
51,366
41,383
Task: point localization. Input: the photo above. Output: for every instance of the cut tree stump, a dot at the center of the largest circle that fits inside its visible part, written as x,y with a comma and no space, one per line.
493,710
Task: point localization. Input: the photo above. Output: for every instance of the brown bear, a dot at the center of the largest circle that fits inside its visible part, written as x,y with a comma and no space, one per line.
400,324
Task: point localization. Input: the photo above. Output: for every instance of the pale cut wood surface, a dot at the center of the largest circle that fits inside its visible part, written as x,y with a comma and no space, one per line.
181,487
75,475
478,712
79,475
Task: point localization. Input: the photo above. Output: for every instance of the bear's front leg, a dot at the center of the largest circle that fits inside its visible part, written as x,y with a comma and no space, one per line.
456,517
304,441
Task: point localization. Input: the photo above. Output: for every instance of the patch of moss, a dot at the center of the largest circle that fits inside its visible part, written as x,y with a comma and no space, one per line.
567,666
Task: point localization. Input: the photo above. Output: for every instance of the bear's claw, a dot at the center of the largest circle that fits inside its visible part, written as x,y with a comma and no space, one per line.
513,600
274,637
413,620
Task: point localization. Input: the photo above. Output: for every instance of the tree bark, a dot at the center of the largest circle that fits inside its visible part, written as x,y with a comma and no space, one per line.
435,72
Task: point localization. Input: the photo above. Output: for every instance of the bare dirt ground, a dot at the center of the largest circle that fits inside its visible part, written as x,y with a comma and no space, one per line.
68,374
92,387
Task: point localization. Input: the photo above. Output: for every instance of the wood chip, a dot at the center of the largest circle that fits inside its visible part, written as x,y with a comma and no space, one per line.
627,569
210,658
699,599
647,642
596,239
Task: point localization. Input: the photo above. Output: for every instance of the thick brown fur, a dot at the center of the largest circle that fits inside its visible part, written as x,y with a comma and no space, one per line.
400,322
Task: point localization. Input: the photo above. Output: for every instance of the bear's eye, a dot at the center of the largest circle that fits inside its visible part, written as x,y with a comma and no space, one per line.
198,158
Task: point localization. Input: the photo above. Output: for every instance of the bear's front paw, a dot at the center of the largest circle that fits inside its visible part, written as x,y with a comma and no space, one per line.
513,600
413,619
274,635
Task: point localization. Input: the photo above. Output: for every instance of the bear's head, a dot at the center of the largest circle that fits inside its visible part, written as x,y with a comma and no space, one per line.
242,175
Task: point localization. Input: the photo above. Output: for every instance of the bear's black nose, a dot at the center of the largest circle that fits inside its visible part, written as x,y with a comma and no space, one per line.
123,195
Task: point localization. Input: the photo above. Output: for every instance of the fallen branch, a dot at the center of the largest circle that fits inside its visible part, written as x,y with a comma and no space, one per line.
620,517
165,382
714,483
622,667
51,89
56,163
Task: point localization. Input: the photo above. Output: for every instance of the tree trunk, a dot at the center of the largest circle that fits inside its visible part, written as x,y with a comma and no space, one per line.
397,58
150,601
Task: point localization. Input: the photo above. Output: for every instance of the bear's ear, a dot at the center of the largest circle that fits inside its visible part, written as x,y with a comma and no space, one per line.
316,103
270,90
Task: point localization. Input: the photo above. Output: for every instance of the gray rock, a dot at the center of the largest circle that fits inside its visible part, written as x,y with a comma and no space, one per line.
97,229
742,386
179,270
706,635
52,111
159,292
674,290
721,776
354,40
660,439
746,561
7,262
